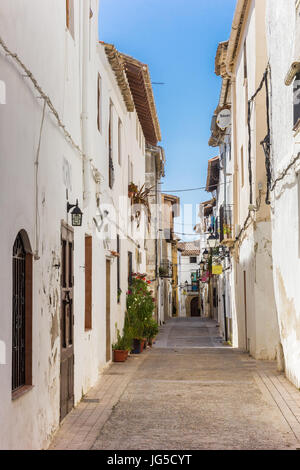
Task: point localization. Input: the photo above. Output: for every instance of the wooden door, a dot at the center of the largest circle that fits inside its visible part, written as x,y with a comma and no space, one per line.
108,341
195,312
245,306
67,322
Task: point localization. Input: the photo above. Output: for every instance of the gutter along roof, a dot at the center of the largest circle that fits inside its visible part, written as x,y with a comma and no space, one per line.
134,81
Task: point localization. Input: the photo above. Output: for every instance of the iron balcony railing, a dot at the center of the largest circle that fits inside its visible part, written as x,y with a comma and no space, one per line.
225,223
192,288
166,269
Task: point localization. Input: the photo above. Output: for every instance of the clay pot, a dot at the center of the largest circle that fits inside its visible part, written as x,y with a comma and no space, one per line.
137,346
120,355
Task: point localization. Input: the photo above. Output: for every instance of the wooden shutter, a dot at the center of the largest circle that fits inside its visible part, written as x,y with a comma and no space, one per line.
99,103
88,282
297,99
118,266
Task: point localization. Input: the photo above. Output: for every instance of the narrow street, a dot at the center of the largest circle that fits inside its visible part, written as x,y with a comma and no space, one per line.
188,392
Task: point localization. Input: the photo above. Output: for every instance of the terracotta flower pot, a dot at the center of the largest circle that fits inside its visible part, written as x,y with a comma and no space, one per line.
137,346
120,355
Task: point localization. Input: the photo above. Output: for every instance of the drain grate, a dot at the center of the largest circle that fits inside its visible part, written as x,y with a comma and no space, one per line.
91,400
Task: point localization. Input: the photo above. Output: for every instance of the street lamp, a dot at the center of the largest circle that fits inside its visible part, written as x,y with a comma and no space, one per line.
213,241
76,214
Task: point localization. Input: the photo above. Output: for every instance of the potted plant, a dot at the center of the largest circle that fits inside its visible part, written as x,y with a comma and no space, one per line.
150,330
132,190
122,346
140,307
162,271
140,197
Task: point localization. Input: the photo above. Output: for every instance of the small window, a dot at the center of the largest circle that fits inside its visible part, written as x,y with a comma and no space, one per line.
297,99
110,148
70,16
21,314
245,62
242,167
193,260
120,142
118,270
99,103
129,268
88,281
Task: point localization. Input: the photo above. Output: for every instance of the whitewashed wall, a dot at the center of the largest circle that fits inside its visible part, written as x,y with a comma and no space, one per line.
36,31
257,327
283,27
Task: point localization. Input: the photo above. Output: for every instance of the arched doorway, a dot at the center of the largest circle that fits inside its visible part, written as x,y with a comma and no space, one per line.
195,312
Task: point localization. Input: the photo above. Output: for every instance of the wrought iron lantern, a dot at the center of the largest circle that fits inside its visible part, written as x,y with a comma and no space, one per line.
76,214
201,264
213,241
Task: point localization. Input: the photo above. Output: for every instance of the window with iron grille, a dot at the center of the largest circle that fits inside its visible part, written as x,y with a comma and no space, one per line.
21,315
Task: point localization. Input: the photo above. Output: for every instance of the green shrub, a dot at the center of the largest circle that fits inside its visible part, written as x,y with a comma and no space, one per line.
150,329
140,306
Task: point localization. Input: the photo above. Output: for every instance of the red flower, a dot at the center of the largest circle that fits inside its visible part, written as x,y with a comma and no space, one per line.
148,282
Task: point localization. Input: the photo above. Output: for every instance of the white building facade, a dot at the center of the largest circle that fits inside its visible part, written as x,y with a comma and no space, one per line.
283,54
70,130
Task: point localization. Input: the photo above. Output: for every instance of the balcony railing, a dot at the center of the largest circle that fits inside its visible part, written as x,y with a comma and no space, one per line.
192,288
166,269
225,223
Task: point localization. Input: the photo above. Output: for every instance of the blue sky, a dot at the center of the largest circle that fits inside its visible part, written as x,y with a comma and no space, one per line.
178,39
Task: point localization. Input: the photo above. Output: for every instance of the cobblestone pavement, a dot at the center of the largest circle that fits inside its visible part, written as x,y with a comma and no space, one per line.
189,392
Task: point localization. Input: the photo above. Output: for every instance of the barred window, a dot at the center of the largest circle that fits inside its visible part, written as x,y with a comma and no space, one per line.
21,313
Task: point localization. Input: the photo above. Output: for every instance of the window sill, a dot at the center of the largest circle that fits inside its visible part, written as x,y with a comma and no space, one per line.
21,391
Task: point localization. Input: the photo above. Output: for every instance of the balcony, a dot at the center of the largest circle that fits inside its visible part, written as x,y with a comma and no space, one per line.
225,223
166,269
192,288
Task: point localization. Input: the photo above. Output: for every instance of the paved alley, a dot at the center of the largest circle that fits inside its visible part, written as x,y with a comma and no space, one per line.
188,392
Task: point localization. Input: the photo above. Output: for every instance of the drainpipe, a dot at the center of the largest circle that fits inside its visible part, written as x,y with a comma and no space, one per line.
84,111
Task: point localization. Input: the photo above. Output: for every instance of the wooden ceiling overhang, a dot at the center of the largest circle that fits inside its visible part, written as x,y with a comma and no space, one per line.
139,80
117,66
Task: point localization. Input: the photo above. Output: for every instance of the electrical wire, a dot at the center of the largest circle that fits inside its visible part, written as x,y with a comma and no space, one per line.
45,97
190,189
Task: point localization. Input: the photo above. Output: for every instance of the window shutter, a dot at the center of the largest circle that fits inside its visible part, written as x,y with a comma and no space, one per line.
296,99
88,282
